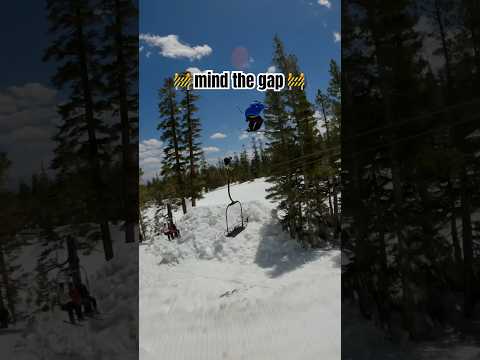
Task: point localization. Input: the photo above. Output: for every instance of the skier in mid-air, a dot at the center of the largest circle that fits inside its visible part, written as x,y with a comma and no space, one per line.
253,117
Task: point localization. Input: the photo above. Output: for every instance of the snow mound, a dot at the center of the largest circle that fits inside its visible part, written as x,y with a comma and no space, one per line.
203,237
257,296
113,336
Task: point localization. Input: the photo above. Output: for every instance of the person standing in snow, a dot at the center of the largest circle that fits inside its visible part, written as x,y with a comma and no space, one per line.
67,304
88,301
173,230
4,317
166,231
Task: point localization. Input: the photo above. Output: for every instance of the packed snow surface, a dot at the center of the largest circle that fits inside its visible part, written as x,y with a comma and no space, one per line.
112,336
256,296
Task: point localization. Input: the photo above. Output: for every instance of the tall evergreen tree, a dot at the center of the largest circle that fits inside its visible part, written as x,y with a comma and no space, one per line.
82,136
256,161
244,166
281,146
121,88
190,128
12,219
295,164
174,159
407,165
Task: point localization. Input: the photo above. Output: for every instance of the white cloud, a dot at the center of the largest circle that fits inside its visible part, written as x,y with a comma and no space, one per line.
271,69
243,136
194,70
140,48
325,3
28,120
212,161
210,149
149,148
150,157
171,47
336,36
248,135
151,160
148,54
218,135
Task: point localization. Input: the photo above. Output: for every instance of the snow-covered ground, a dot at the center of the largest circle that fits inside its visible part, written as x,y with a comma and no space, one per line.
256,296
111,337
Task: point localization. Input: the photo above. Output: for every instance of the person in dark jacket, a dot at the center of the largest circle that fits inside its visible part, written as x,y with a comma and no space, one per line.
173,230
88,301
76,298
166,231
68,301
253,117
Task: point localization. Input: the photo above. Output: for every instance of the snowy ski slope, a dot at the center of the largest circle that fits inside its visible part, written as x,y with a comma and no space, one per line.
111,337
255,296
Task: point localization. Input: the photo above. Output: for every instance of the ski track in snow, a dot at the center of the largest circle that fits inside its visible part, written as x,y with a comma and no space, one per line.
279,301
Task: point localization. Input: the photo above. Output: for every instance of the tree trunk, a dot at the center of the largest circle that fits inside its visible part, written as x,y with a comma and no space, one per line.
191,153
73,261
7,285
129,163
336,216
457,251
178,171
449,100
169,213
92,140
467,244
386,83
446,53
330,203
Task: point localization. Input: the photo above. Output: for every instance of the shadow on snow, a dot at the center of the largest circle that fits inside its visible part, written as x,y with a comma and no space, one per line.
279,253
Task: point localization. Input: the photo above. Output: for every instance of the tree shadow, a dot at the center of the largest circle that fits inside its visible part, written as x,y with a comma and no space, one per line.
10,331
279,253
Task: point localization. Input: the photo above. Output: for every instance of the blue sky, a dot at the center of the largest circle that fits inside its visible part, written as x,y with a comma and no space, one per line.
203,34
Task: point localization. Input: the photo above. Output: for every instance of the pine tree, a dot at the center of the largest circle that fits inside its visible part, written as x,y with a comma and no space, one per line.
293,146
256,161
121,72
236,172
408,169
244,166
12,219
281,148
329,105
75,27
174,159
264,161
190,129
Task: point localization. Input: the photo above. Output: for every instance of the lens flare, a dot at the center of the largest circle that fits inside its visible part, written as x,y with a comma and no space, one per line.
240,58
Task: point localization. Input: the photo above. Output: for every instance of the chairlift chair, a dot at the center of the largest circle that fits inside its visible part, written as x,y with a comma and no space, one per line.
239,226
